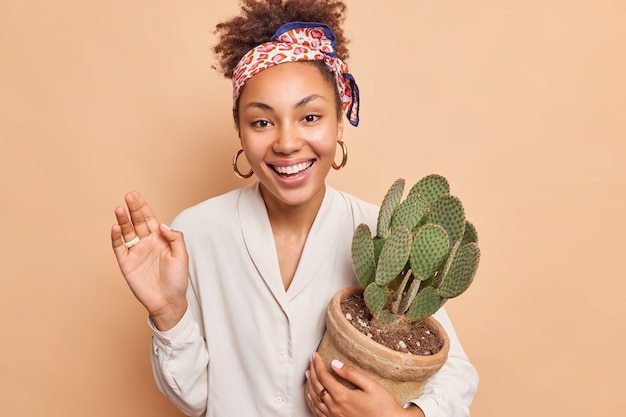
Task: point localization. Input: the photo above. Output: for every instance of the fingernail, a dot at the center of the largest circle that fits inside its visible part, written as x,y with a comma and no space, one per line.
166,227
313,357
337,364
306,374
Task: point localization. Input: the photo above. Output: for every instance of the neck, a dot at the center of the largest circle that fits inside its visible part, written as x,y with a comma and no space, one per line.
296,219
291,225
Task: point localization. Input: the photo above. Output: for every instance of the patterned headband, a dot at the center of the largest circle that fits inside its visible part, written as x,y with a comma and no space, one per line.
300,41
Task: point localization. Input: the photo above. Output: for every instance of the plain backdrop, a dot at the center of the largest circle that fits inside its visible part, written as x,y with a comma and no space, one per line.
521,105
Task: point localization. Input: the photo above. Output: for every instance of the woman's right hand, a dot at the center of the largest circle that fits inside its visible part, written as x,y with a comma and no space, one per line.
157,267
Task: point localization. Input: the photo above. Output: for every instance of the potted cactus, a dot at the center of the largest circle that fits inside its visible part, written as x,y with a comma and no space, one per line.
423,253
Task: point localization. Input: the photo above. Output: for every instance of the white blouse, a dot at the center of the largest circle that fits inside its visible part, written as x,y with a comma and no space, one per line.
244,344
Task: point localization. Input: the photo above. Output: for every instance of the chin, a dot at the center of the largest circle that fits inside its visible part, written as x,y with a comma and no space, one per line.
298,196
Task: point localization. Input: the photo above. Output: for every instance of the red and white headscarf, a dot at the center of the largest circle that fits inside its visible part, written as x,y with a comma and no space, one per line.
300,41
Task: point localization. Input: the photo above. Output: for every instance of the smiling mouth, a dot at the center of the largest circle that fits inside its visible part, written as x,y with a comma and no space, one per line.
293,169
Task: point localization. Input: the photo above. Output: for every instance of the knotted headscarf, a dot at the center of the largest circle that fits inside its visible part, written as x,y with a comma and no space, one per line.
300,41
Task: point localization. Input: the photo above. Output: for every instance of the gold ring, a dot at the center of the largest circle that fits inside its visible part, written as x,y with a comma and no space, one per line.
322,394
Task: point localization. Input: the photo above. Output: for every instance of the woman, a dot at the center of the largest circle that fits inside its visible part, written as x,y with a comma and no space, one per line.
237,305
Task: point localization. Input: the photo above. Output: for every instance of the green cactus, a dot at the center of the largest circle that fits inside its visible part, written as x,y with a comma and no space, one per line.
424,253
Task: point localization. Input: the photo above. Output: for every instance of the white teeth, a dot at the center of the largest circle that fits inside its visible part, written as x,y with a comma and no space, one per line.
293,169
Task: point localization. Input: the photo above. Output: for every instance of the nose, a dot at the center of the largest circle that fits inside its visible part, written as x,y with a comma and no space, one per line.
288,140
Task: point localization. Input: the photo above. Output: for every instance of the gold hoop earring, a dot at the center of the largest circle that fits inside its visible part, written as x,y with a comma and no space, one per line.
236,169
344,160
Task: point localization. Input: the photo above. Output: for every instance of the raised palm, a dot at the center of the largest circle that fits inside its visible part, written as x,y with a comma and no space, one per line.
156,268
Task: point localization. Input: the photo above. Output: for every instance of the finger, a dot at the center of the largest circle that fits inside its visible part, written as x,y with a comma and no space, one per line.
116,241
148,215
136,214
316,384
338,390
323,380
353,375
176,240
311,395
314,387
127,231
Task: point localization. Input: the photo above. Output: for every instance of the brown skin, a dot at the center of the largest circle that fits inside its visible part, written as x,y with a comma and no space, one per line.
369,398
156,269
296,125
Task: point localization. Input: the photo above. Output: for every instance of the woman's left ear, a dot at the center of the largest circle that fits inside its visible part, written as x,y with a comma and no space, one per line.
340,129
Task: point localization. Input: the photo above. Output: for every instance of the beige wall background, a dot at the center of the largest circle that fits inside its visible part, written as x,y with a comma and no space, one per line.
521,105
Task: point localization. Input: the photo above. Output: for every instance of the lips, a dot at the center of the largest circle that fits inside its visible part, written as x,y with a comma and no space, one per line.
292,169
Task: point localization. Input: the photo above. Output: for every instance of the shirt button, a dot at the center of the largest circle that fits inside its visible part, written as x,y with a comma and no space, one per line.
278,400
282,355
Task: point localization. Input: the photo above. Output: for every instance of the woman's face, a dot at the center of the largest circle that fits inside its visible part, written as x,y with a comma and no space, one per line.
289,128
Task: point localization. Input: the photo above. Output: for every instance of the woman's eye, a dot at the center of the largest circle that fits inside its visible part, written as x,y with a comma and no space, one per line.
261,123
311,118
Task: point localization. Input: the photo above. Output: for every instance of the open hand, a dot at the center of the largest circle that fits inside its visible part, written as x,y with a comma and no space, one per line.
156,266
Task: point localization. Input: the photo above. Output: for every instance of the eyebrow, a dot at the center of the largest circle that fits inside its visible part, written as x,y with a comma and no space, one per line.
265,106
308,99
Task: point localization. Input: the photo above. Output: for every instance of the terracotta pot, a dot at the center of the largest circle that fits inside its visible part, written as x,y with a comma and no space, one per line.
404,375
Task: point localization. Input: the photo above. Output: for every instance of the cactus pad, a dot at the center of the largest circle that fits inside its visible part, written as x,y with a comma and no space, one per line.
410,295
436,283
461,272
469,234
388,206
394,255
427,302
429,250
363,259
432,187
423,253
399,292
375,297
448,212
410,212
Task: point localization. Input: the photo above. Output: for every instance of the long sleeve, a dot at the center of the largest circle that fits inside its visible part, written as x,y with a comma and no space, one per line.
180,356
450,391
244,344
180,365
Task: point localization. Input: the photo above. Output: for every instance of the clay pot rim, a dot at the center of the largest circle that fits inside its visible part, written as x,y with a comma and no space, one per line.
377,348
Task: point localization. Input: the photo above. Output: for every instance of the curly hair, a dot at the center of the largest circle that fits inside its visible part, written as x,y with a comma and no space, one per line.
259,20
